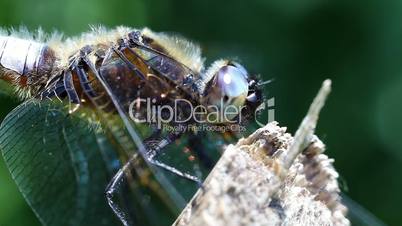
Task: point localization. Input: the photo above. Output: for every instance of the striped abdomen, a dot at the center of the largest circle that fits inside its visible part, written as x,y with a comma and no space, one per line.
24,62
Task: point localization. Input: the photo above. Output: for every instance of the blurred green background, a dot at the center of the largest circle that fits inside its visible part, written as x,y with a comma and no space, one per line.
358,44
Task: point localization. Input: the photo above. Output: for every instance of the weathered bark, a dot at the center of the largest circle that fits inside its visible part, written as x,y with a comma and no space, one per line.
271,178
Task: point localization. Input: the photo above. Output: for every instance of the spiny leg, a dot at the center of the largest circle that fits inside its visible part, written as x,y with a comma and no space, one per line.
71,92
152,152
56,89
115,188
119,180
156,146
85,84
175,171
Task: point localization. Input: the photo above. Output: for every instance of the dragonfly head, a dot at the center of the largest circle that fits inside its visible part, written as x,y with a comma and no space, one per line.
229,92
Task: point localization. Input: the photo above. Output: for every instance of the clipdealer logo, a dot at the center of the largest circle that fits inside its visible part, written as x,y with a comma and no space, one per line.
207,117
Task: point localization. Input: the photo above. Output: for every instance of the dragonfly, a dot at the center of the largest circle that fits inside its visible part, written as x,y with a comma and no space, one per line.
115,124
94,141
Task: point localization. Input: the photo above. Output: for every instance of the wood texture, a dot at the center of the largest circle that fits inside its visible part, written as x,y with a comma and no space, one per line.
271,178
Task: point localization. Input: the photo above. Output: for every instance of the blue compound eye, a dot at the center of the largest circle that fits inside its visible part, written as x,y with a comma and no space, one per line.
240,68
233,85
227,93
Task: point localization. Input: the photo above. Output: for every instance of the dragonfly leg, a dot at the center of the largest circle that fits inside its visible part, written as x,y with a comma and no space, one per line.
85,84
174,170
155,147
115,189
71,92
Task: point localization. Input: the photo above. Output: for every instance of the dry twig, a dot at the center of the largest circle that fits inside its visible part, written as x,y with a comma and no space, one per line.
271,178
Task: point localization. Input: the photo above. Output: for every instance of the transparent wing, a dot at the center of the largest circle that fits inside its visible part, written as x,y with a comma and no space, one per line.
114,67
155,188
55,161
62,164
176,72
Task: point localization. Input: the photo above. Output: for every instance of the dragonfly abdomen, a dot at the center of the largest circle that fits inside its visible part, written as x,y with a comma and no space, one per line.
25,62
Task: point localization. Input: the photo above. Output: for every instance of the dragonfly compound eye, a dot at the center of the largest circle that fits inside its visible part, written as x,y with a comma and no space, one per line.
227,92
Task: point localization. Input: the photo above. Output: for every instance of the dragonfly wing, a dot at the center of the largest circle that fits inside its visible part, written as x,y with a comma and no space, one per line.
55,161
153,190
